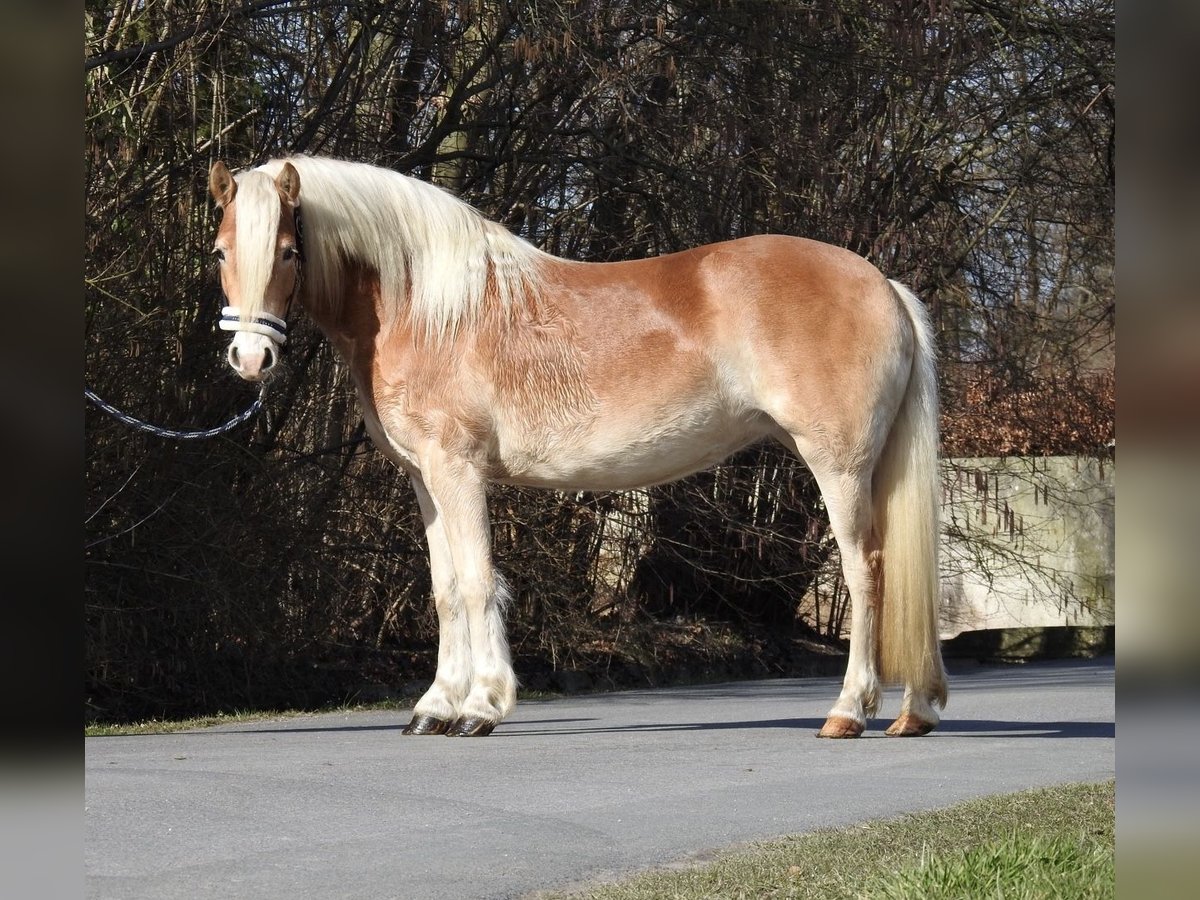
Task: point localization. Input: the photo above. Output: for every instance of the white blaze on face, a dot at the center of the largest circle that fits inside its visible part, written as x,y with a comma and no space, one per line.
255,241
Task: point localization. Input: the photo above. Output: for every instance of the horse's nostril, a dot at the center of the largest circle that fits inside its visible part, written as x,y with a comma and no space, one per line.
233,357
268,359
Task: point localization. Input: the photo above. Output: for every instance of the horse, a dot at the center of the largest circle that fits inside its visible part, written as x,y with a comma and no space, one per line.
477,357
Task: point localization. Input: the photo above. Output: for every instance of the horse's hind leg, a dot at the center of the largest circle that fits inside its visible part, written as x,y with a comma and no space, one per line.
848,501
918,716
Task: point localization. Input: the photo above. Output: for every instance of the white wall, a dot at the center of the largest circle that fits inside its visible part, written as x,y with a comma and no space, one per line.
1027,542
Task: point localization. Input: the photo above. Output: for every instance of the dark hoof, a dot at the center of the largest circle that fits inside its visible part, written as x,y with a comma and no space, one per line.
840,727
472,727
426,725
908,725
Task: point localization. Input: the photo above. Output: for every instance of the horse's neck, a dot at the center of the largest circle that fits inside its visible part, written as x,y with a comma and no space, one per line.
351,325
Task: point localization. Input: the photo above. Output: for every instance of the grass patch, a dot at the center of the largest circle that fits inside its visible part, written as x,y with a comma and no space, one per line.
1016,867
170,726
1053,842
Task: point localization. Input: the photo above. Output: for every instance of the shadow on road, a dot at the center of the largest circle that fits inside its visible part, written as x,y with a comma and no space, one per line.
958,728
988,728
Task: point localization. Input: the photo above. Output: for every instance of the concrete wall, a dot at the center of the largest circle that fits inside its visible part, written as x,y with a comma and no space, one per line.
1027,543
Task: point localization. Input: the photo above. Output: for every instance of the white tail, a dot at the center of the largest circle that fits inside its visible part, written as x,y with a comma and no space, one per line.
906,492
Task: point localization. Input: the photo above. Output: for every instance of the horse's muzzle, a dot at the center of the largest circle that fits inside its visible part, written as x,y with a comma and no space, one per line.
256,341
252,355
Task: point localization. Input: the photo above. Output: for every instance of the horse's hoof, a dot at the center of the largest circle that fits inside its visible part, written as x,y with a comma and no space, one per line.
472,726
422,724
908,725
840,727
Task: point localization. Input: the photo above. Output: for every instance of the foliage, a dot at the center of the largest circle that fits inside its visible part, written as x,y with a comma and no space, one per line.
965,148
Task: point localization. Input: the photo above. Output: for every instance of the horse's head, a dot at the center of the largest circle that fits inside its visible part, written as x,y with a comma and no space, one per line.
259,253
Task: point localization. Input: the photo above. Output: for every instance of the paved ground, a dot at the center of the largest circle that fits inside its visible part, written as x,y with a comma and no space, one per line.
564,792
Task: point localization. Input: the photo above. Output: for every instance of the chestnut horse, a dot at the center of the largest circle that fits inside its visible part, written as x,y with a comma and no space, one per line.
478,358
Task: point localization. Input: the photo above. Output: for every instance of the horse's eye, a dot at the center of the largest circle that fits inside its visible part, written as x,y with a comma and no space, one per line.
289,253
219,254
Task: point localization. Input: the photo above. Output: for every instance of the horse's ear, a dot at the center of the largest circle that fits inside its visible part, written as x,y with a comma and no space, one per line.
221,184
288,182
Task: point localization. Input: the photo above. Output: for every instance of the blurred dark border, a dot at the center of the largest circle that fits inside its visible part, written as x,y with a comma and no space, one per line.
40,374
1158,417
1158,394
41,182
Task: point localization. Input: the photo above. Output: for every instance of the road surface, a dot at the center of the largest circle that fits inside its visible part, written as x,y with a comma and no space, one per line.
564,793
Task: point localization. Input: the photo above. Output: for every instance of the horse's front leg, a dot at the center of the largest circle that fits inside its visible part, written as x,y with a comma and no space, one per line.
439,706
475,673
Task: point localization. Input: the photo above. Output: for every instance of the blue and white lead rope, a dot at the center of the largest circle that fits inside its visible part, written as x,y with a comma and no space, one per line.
172,433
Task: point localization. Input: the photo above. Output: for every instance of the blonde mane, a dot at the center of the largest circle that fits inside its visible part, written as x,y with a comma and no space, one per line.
437,258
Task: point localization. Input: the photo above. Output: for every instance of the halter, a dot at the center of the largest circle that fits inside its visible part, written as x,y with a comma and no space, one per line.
264,323
272,326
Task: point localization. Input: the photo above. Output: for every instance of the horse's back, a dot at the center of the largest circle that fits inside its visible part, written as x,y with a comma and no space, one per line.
759,311
794,288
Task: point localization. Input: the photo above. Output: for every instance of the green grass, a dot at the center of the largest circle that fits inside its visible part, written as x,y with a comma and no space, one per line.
1050,843
1016,867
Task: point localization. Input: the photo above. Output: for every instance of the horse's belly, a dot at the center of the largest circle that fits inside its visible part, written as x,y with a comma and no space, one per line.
615,455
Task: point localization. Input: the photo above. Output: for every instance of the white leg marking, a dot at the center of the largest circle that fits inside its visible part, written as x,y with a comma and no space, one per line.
444,698
461,500
847,499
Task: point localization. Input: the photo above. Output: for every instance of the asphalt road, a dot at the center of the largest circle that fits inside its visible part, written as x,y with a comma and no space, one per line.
564,793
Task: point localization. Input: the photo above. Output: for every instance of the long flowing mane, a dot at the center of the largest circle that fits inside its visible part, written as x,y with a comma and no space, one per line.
438,259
